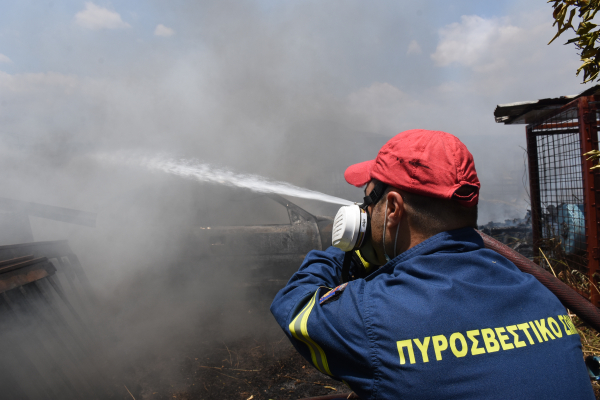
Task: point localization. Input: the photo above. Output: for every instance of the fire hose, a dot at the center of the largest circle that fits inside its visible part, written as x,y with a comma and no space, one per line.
572,300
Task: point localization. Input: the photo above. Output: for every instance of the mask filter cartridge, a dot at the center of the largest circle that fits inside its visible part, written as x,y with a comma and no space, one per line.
349,227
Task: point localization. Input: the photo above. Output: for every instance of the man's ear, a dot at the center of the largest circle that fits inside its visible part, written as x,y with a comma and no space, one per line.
396,207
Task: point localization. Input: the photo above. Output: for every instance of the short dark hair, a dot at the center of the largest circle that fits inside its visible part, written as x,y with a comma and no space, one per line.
431,215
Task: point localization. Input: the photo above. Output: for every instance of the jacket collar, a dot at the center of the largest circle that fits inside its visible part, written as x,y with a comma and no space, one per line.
455,241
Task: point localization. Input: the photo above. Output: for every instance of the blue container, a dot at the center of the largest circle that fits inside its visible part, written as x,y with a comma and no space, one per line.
593,367
571,227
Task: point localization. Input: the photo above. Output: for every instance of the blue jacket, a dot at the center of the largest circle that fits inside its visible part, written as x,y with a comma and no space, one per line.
447,319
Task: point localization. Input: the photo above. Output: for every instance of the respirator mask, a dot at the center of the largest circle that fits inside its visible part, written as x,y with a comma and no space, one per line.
352,227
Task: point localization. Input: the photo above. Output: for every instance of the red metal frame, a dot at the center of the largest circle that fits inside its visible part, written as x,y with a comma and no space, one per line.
588,134
587,116
534,192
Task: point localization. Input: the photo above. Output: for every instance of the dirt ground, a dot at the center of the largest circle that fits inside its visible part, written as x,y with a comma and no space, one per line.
255,370
259,365
247,369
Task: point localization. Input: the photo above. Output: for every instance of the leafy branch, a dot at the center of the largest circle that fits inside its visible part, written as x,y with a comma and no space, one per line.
587,33
593,155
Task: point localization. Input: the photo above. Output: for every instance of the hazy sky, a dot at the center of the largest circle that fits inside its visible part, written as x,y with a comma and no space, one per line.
234,82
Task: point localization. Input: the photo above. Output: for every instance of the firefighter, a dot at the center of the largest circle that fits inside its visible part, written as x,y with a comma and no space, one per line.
432,314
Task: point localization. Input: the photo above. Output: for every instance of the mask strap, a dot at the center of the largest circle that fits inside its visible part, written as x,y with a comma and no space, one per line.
387,258
396,239
375,195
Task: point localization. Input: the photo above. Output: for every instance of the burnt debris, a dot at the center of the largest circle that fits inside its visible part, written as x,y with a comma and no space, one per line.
515,233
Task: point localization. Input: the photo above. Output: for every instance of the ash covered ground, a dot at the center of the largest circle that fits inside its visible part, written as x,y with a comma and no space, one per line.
262,364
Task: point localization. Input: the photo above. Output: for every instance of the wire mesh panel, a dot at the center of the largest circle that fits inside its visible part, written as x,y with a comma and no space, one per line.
561,191
562,194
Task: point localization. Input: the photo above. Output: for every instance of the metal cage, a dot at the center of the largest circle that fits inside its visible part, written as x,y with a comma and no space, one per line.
564,199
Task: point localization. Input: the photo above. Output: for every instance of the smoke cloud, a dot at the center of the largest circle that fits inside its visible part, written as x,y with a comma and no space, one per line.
290,91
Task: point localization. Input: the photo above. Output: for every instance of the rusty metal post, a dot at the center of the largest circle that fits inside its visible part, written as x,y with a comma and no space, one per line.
589,141
534,191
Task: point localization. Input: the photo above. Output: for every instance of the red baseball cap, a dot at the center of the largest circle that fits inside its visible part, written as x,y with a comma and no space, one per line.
428,163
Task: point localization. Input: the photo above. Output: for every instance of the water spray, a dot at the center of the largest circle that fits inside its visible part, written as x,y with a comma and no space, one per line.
203,172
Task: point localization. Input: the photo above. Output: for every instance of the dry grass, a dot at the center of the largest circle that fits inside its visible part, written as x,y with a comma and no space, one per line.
578,280
573,273
590,341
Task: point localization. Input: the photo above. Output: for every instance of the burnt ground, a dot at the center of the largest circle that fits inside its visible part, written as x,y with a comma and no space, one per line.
221,364
257,369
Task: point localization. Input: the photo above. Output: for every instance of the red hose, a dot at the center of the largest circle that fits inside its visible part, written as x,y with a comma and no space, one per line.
572,300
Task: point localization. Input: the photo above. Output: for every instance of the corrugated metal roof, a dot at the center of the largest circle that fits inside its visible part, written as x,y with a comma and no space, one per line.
525,112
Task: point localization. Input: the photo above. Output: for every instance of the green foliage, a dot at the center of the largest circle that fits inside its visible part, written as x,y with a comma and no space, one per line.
586,35
593,155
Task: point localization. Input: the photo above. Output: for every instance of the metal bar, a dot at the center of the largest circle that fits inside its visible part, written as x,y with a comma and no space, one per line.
32,273
589,141
555,131
534,190
16,260
50,249
22,264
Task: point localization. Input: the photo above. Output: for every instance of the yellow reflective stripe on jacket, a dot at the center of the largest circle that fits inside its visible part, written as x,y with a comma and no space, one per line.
298,328
364,262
